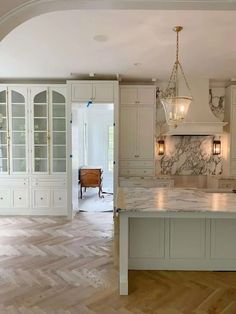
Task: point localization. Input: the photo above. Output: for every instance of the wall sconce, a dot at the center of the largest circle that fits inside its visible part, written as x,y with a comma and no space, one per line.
216,147
161,147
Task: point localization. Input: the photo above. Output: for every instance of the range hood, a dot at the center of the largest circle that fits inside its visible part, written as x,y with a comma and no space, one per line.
200,119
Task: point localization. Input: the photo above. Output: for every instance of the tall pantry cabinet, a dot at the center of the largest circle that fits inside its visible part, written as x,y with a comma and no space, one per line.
33,150
137,130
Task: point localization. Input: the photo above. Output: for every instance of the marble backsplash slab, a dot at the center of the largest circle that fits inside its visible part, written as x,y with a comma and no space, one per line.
189,155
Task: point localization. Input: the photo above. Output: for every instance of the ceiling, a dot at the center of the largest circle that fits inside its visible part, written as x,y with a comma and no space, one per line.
134,44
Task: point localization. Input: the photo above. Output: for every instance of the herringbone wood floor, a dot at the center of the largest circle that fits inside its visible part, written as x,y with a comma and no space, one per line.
50,265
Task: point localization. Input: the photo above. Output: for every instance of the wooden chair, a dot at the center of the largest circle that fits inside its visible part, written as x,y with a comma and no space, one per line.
90,177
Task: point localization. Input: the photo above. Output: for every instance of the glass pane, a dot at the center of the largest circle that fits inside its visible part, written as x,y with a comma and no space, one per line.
19,165
59,111
40,124
41,98
18,124
3,125
40,138
3,110
59,124
40,110
58,98
59,138
18,151
18,110
3,97
59,151
40,165
3,165
18,137
3,137
40,152
17,97
59,165
3,151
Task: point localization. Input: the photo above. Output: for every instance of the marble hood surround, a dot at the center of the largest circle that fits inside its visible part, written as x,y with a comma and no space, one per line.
200,119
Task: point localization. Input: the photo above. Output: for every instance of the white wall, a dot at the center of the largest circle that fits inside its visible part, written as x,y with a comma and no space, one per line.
100,117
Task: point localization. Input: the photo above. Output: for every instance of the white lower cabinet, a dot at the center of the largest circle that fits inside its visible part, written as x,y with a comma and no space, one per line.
33,196
41,199
20,198
59,198
5,198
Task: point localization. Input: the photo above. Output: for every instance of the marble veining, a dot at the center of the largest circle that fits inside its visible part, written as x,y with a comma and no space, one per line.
174,200
217,102
189,155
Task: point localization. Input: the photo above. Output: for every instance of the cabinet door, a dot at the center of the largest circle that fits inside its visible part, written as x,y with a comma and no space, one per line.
18,125
40,130
146,132
103,92
4,151
59,198
20,198
146,95
128,132
233,131
82,91
58,130
128,95
5,198
41,198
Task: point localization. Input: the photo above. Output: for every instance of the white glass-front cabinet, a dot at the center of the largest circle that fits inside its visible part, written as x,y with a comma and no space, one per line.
49,130
33,150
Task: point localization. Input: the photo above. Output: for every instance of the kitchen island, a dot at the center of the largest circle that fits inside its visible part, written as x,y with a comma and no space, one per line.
175,229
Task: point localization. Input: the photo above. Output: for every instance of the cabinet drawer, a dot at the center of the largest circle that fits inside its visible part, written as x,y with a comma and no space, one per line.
14,182
41,198
226,184
20,198
137,172
5,198
137,164
59,198
48,183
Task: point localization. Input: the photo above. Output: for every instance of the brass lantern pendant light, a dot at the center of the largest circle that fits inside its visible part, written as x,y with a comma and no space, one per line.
176,106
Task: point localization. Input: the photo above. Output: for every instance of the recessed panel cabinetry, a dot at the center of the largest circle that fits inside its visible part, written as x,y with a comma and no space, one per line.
137,130
33,149
85,91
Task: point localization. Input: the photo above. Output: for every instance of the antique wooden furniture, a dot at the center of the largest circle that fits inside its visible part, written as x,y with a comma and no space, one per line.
90,177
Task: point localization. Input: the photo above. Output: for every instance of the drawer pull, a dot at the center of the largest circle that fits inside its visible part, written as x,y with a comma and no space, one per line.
19,198
41,198
1,198
59,198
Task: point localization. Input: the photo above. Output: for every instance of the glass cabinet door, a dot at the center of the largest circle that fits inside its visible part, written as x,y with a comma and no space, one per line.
58,132
18,133
40,132
3,133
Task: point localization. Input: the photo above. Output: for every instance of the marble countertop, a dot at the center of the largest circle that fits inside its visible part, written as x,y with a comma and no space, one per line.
174,200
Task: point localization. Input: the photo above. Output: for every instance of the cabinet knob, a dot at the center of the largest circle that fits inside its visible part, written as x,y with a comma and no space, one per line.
19,198
1,198
41,198
59,198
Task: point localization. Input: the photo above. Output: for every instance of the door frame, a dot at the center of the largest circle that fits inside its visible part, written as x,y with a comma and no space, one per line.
70,177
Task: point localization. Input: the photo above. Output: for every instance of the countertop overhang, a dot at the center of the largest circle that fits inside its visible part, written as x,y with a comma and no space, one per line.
165,202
